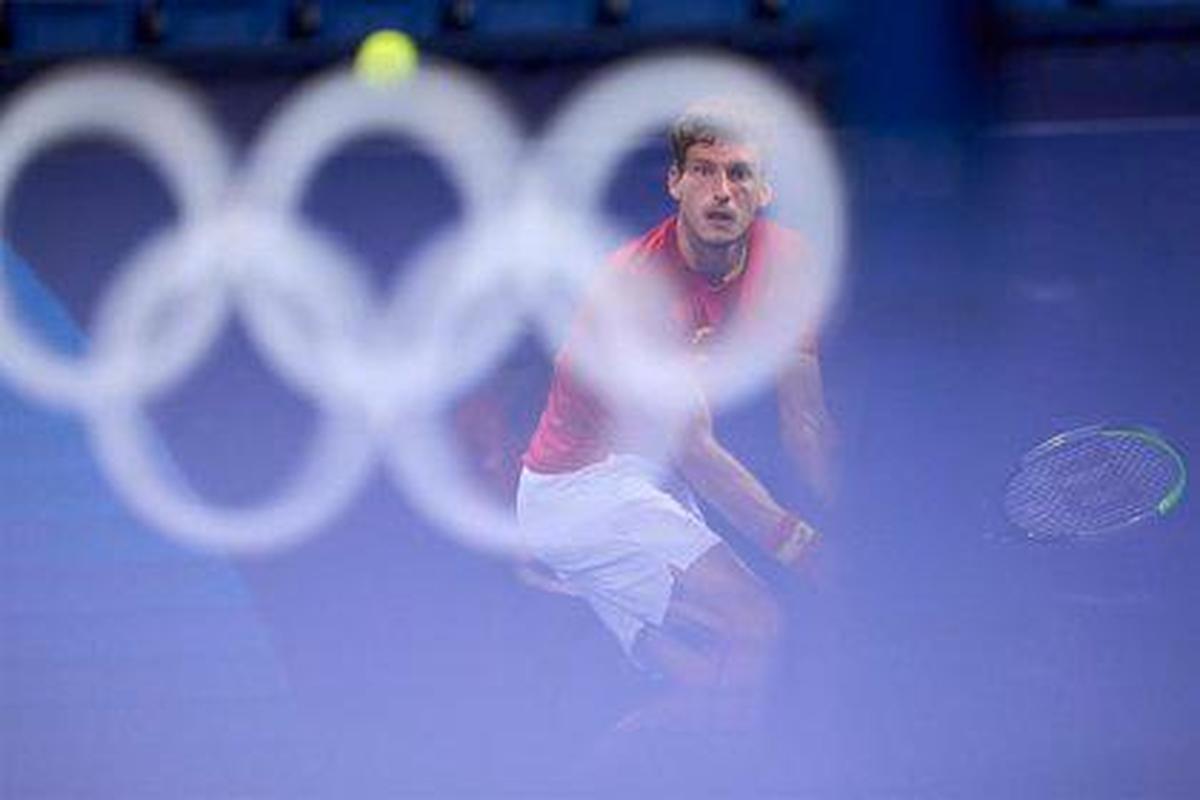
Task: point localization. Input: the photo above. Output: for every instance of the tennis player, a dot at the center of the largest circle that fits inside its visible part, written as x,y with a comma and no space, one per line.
623,528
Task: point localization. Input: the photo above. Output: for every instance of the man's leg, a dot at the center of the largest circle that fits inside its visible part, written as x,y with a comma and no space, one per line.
717,647
645,554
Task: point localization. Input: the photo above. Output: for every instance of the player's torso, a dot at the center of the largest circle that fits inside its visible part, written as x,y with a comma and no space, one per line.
576,427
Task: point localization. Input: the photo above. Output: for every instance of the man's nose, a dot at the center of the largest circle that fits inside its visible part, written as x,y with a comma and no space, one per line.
721,188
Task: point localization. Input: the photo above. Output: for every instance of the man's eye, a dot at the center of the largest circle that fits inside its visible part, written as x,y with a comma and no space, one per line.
703,170
740,174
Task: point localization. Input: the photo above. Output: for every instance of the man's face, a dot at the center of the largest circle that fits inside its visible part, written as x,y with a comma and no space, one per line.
720,189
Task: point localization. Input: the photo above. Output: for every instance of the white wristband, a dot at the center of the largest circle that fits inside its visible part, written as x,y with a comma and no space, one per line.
799,539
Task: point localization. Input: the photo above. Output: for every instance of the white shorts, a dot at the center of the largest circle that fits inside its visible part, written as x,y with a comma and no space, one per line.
616,532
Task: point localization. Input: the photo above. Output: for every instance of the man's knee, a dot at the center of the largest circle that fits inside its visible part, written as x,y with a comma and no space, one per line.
744,636
752,624
759,620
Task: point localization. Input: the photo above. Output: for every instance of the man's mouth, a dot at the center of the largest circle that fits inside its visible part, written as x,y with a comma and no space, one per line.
720,216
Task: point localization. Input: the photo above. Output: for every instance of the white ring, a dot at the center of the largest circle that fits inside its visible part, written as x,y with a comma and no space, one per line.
336,467
581,151
454,118
474,286
450,113
165,125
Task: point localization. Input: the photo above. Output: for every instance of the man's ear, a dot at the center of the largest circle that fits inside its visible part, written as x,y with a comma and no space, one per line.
674,175
765,194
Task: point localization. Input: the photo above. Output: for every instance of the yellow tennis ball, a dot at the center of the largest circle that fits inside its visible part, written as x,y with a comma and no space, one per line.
386,57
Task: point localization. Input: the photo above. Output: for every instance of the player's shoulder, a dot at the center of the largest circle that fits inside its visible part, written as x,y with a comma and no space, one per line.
779,242
645,250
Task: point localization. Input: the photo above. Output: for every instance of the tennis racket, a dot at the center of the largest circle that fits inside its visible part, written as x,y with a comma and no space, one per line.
1092,481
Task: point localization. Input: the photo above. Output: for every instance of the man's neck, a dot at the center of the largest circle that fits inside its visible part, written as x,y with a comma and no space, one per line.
717,264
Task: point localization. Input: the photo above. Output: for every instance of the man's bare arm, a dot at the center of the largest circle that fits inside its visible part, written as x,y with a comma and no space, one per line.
722,480
808,430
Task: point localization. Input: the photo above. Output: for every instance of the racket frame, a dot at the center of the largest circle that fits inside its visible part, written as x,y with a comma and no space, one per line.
1164,506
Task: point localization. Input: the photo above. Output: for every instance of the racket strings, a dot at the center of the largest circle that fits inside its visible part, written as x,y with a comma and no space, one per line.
1097,483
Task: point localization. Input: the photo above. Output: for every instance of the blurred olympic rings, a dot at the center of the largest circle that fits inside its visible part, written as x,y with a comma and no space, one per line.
381,374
